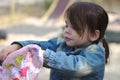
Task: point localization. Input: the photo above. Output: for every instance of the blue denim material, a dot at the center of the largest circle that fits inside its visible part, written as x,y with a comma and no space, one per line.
68,63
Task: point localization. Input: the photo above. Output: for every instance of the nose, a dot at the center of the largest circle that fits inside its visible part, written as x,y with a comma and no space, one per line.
67,30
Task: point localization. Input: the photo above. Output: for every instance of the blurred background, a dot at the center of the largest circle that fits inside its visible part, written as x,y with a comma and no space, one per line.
43,19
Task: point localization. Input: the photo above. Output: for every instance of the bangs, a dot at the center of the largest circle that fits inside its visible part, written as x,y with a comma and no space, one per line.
75,14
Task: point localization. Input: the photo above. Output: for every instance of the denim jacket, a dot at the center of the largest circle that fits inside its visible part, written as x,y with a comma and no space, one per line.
68,63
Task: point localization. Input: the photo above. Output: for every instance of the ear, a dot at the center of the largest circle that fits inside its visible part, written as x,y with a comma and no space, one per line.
95,36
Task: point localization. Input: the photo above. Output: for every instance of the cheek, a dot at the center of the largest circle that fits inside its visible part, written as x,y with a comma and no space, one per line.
77,37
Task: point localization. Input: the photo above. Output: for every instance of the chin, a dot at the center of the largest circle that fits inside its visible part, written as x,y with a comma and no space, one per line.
70,45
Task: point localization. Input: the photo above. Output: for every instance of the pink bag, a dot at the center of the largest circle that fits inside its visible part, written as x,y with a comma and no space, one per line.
23,64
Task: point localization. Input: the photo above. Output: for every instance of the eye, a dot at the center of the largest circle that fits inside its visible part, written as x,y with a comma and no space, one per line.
66,25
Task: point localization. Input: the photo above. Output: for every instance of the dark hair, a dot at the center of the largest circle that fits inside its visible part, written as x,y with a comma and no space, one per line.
84,15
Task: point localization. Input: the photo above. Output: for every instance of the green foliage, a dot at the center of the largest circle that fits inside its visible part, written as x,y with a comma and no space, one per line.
46,4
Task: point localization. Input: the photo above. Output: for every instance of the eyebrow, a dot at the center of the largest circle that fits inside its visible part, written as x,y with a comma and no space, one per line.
66,21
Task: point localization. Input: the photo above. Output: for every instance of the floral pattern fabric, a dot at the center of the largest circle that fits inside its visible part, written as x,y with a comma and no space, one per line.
23,64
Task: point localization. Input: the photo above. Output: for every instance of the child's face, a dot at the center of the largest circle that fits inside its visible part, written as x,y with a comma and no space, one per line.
74,39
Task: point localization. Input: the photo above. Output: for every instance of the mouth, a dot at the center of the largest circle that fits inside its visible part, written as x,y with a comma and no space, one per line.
67,38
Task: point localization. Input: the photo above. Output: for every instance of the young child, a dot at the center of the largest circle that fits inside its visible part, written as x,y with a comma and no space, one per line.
83,52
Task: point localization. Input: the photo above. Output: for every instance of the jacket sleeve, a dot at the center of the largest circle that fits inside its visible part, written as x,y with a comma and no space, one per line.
88,62
50,44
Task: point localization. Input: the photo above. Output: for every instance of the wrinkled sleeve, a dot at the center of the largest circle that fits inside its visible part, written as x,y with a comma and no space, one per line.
50,44
88,62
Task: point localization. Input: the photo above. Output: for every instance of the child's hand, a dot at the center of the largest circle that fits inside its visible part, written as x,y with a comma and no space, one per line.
7,50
